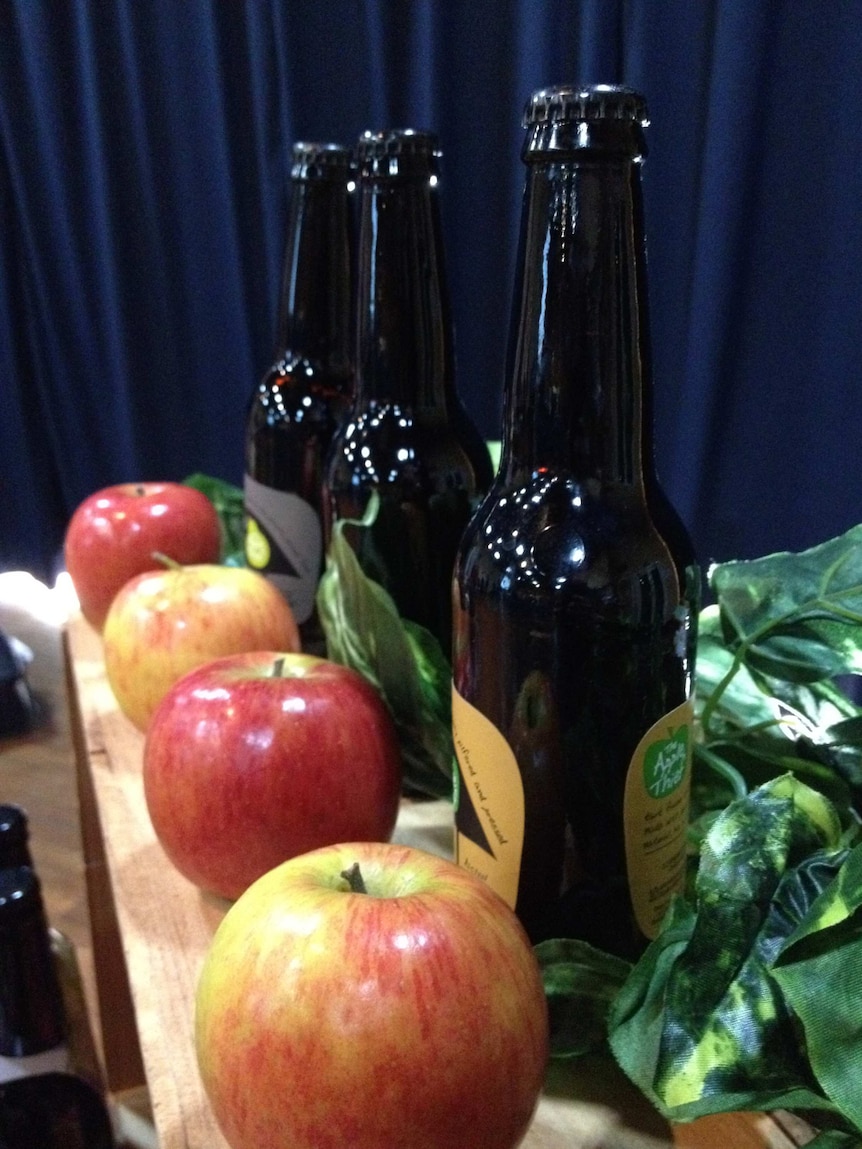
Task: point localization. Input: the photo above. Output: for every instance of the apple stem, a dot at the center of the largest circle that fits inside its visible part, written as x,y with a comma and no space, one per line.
354,879
278,668
170,563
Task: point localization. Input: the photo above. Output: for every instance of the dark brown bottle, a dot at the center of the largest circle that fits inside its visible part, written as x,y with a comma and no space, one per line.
296,407
576,589
43,1101
407,436
14,837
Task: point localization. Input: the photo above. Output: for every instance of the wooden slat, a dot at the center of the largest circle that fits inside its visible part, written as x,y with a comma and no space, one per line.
121,1051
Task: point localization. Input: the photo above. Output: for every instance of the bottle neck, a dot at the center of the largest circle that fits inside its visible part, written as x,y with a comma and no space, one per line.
580,358
314,320
32,1017
405,352
14,834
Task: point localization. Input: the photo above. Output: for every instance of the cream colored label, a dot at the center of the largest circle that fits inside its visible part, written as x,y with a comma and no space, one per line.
284,540
656,816
490,783
56,1060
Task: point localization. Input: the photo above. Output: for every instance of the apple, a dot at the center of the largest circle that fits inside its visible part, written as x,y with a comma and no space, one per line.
408,1015
114,534
255,758
164,623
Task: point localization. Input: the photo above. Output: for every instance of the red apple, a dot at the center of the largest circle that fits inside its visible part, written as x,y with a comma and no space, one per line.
255,758
113,535
165,623
409,1015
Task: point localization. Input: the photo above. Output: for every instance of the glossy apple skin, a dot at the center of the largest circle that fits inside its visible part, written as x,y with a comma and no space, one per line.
162,624
245,768
113,534
411,1016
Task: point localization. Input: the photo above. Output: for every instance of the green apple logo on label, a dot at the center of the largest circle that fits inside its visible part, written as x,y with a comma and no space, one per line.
257,550
665,762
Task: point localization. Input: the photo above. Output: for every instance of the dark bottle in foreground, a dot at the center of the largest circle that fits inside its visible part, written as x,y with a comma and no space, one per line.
296,408
43,1102
14,837
576,590
407,436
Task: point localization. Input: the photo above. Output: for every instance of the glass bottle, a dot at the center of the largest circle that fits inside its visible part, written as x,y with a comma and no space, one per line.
42,1100
295,409
14,837
576,589
407,436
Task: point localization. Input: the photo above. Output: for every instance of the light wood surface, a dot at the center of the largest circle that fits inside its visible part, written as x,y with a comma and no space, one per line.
163,926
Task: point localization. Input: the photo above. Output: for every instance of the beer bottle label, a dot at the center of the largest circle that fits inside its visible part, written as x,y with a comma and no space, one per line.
55,1060
489,820
489,826
284,541
656,805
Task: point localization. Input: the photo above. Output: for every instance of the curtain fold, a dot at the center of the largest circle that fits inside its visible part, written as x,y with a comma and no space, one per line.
728,185
144,154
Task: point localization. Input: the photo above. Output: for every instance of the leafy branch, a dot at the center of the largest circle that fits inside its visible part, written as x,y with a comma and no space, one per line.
401,659
747,998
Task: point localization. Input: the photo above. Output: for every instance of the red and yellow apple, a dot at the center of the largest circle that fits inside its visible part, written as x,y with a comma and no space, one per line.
411,1014
164,623
254,758
114,534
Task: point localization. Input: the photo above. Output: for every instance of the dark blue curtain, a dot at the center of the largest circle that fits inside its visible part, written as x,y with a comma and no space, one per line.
143,163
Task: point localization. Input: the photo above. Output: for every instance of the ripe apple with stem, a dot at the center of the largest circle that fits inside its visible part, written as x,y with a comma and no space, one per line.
254,758
115,532
164,623
371,995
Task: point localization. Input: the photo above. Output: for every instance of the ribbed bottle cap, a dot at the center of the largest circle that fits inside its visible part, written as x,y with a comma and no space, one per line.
570,103
312,160
397,142
20,894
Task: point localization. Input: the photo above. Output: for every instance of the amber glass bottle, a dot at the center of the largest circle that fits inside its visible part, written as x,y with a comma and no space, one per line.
43,1101
14,837
295,409
576,590
407,435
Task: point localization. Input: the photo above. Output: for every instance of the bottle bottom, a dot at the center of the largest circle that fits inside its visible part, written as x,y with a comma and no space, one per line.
53,1111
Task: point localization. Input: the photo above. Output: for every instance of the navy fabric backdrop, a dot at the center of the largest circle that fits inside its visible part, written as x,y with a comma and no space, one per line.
143,164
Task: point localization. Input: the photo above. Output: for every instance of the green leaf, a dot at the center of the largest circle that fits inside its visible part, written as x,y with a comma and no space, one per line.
701,1025
742,703
754,724
580,984
764,755
847,732
798,615
637,1017
401,659
834,1139
820,972
228,502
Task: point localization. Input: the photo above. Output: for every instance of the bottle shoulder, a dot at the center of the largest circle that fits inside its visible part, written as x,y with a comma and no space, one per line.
380,441
297,391
548,535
